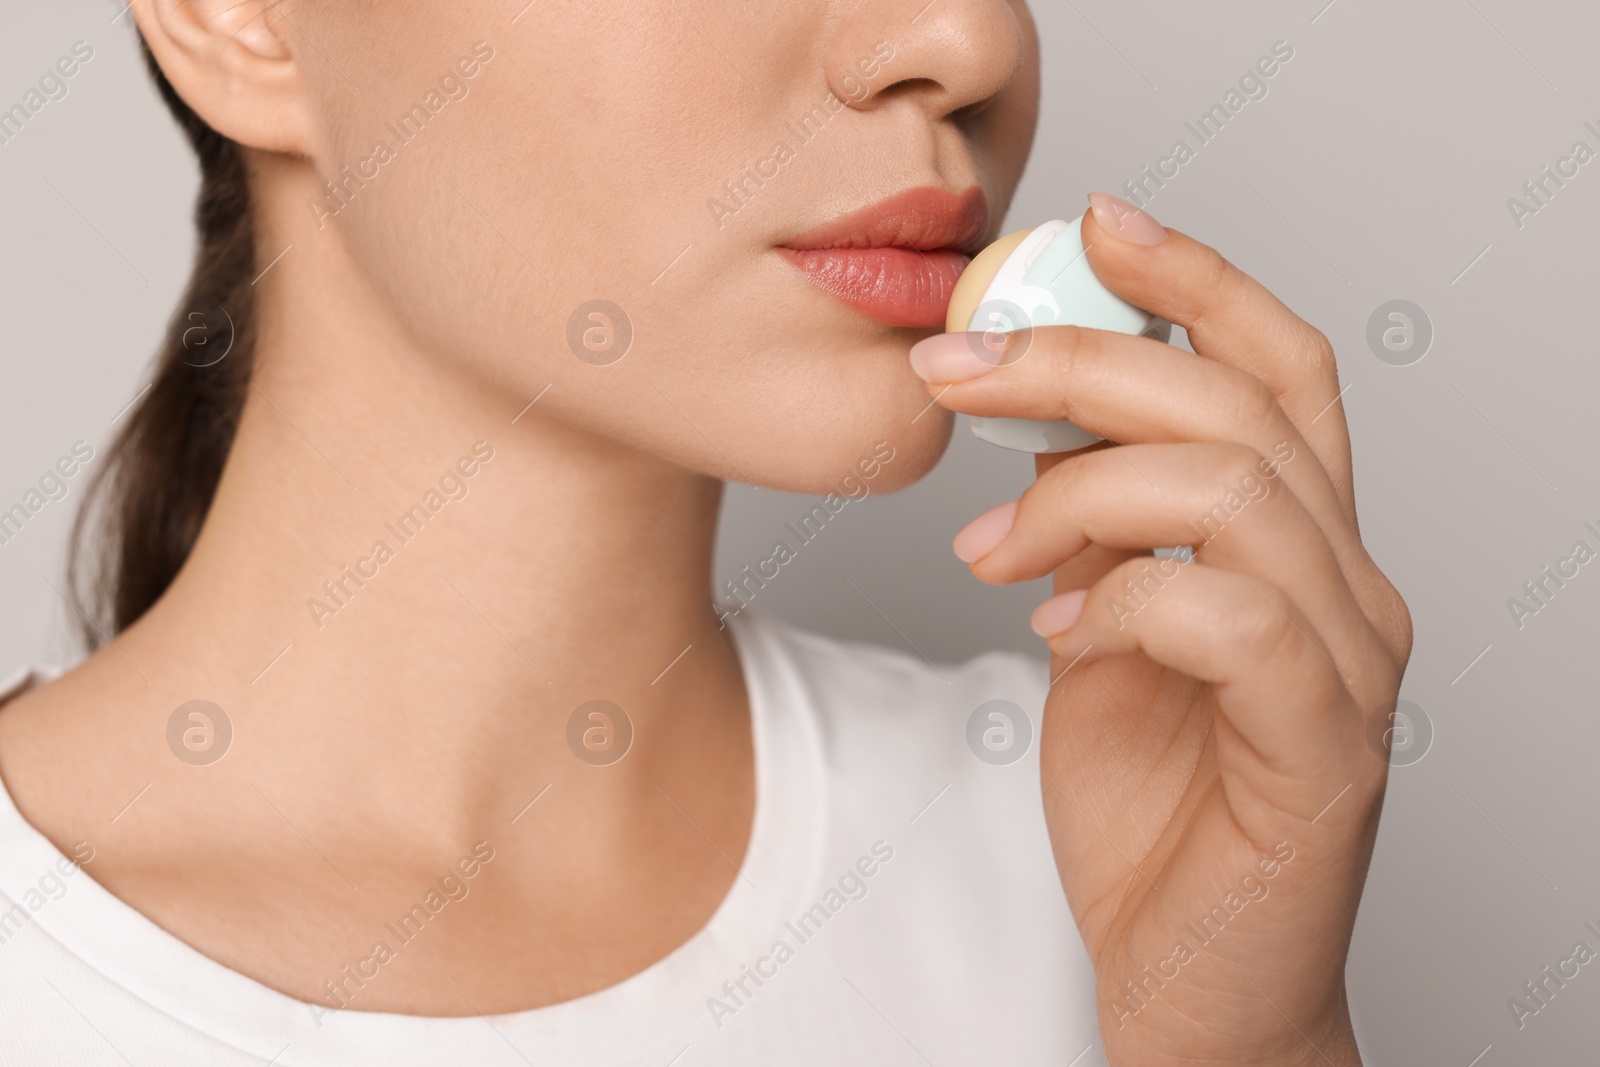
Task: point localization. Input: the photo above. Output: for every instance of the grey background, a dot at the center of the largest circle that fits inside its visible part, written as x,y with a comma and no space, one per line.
1377,168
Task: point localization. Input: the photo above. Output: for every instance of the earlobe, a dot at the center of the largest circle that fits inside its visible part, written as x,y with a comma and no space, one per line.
233,64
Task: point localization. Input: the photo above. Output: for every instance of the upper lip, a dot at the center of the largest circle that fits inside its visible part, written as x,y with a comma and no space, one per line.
925,219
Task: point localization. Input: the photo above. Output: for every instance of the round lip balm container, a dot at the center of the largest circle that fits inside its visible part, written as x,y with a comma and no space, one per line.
1038,277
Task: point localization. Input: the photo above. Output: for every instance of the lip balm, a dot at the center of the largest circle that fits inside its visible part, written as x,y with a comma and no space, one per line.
1039,277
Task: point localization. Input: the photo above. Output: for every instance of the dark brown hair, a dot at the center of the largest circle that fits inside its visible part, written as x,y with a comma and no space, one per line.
147,501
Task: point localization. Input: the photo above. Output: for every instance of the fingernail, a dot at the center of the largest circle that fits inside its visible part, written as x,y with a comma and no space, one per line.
1058,614
1124,221
983,534
950,357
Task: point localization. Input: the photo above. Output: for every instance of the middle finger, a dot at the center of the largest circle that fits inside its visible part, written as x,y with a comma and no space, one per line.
1215,497
1136,390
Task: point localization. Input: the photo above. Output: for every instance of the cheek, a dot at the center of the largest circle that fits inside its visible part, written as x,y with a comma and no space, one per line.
569,173
573,174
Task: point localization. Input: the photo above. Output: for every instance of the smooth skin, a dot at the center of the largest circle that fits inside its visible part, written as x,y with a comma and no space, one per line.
426,316
1221,710
371,752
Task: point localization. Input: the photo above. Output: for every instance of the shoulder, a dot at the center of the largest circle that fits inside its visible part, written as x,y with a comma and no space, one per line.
15,683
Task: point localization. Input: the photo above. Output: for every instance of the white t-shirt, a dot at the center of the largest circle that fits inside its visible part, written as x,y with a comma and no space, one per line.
898,905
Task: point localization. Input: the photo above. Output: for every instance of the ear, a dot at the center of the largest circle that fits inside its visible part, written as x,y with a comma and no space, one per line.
231,62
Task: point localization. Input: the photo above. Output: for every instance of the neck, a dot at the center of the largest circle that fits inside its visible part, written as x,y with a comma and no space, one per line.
428,576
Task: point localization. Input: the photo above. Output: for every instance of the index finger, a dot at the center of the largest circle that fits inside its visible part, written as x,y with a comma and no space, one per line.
1230,317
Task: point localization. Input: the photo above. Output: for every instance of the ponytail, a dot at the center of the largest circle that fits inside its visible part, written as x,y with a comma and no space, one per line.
145,505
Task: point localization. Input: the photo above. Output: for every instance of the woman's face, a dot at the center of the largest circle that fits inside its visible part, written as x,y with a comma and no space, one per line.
677,160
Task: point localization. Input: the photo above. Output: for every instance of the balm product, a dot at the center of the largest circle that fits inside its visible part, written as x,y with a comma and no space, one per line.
1040,277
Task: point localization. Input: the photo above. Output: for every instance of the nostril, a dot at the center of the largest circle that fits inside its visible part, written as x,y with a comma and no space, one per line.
971,111
909,86
930,88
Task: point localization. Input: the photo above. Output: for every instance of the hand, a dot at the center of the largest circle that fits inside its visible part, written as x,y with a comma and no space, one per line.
1210,790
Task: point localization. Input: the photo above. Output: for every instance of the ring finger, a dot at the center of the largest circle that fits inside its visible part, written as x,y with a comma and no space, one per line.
1218,498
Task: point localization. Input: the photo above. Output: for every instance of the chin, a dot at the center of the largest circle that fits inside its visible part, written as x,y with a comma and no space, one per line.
856,446
861,411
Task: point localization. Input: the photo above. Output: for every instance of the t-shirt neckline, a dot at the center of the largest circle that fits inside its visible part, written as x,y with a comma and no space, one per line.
657,1008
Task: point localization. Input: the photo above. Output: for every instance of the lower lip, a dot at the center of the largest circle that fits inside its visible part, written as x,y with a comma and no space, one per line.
895,286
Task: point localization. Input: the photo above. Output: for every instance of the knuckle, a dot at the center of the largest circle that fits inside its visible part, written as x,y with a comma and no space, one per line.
1386,610
1262,629
1222,278
1254,403
1233,465
1069,350
1319,354
1219,281
1405,630
1220,273
1395,622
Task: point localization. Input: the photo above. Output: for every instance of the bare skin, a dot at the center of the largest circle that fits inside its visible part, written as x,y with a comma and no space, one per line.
383,746
1207,745
376,747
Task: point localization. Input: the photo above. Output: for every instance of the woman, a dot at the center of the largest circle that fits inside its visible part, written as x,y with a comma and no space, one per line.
420,509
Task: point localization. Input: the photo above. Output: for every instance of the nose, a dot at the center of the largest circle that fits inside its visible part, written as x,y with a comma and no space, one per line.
949,56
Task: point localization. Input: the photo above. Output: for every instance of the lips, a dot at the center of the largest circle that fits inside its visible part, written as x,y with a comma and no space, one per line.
897,261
